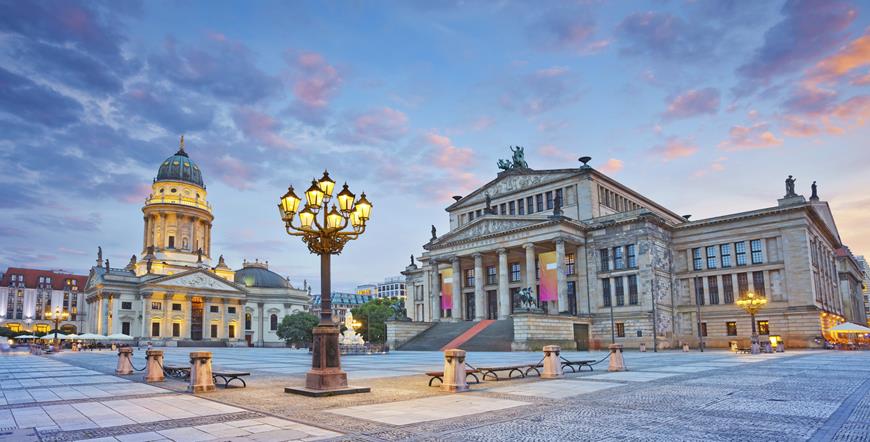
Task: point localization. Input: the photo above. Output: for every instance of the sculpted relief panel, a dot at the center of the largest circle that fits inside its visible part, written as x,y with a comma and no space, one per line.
200,281
488,227
514,183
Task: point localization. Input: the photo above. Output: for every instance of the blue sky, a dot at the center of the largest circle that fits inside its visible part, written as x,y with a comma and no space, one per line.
703,106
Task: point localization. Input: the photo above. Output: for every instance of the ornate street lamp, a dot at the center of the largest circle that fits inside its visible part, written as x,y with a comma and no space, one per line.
58,315
325,237
752,304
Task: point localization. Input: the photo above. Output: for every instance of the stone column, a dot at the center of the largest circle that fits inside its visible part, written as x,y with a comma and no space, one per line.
163,235
115,326
561,277
531,276
580,267
125,361
240,323
224,324
206,320
479,301
104,315
259,324
146,316
188,316
167,316
454,371
427,295
504,295
456,313
436,293
154,364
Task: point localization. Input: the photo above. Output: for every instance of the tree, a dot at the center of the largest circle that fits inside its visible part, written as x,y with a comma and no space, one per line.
297,328
373,315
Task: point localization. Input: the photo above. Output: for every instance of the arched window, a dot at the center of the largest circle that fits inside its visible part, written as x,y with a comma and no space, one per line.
273,322
247,321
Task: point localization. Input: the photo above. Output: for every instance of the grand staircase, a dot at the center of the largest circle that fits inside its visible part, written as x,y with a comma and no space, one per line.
467,335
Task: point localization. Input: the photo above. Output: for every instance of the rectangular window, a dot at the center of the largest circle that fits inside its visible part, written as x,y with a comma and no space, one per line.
502,209
763,328
711,257
620,291
512,208
604,260
176,307
618,260
232,331
699,291
569,263
727,289
560,198
740,252
171,242
156,305
696,258
703,329
731,328
713,287
755,248
515,272
605,291
214,308
126,305
725,255
125,328
469,278
632,289
490,275
620,329
539,202
742,284
176,330
549,200
631,251
470,216
521,207
530,204
214,330
758,283
155,329
231,310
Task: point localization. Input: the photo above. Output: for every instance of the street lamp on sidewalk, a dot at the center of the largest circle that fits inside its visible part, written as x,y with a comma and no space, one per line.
326,237
752,304
58,315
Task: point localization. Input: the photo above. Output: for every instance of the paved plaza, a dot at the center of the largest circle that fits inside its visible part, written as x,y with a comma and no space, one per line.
798,395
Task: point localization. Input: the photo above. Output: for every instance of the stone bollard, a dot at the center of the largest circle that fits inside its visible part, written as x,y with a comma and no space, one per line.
685,348
552,363
125,361
781,347
616,361
643,347
154,366
201,380
454,371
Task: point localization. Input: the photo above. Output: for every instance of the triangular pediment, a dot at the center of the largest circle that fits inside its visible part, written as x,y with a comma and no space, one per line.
488,225
824,212
512,182
199,279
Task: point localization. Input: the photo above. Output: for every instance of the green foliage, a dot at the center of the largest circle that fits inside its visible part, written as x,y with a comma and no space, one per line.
296,328
373,315
6,333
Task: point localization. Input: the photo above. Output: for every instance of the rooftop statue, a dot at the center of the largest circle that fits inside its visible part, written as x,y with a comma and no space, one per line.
517,161
789,186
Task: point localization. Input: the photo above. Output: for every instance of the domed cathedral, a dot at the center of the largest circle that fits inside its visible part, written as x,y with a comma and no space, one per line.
172,294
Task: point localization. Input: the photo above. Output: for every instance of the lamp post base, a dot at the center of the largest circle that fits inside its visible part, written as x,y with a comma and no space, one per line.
326,378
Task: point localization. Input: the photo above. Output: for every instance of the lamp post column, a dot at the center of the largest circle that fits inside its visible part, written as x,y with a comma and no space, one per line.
479,304
456,312
754,344
325,373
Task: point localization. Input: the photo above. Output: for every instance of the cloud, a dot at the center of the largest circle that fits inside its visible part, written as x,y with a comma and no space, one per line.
542,91
612,165
258,126
808,30
73,68
757,136
854,55
315,83
21,97
716,166
693,103
232,171
373,126
675,148
565,29
446,155
553,152
662,35
172,108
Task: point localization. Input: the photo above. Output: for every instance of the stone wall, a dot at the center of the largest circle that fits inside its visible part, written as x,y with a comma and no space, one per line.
400,332
532,331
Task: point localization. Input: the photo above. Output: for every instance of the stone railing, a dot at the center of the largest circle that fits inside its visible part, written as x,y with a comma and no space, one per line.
532,331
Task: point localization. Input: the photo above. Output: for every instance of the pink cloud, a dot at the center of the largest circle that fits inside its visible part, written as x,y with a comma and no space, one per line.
612,165
137,194
675,148
854,55
233,171
316,81
261,127
757,136
716,166
551,151
446,155
374,126
693,103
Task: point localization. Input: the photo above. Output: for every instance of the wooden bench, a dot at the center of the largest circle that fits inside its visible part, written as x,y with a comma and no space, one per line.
580,364
177,371
522,369
229,376
440,375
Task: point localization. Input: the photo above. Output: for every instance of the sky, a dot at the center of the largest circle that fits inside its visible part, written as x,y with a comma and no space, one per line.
702,106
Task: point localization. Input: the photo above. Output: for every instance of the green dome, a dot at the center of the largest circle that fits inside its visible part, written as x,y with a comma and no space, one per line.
259,277
179,167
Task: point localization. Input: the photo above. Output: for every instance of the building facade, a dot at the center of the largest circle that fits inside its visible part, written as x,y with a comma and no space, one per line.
612,265
865,268
172,294
367,289
342,303
30,297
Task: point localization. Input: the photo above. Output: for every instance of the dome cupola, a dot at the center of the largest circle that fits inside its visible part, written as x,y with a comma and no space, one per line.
179,167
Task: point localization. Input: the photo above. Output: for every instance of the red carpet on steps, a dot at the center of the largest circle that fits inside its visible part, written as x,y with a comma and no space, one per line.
470,333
